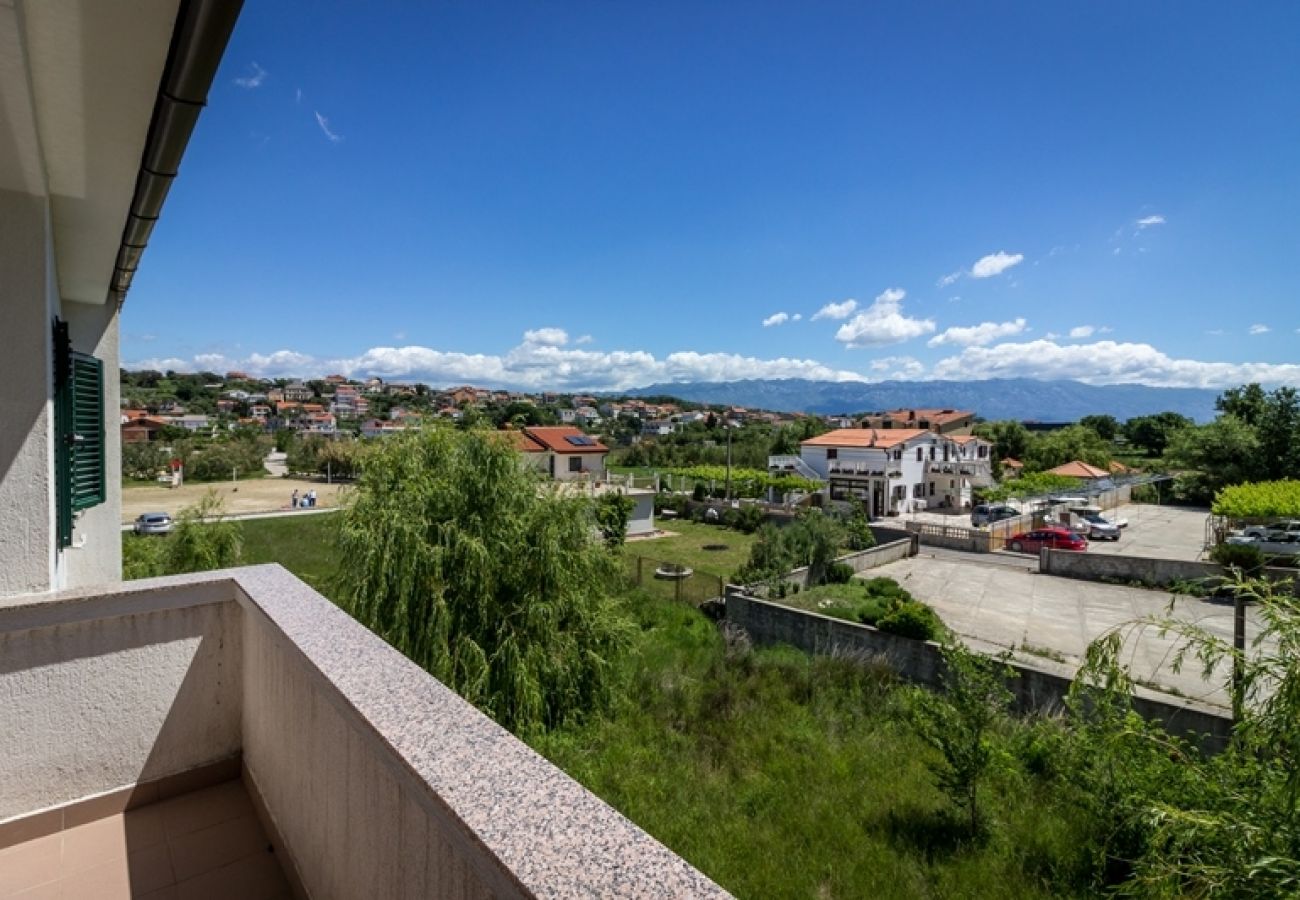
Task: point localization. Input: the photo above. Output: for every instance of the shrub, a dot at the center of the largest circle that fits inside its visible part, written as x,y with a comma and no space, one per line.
838,573
143,556
747,518
698,492
1245,559
886,589
613,512
911,619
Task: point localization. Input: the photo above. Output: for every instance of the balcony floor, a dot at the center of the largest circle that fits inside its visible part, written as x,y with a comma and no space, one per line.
206,844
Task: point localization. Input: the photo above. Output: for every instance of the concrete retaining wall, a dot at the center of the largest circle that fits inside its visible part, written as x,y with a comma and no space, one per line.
922,661
862,560
1148,570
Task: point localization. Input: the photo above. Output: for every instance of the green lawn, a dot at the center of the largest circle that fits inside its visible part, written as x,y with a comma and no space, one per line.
687,546
302,544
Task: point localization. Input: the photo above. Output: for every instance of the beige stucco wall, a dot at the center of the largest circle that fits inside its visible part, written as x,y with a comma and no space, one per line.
27,305
95,704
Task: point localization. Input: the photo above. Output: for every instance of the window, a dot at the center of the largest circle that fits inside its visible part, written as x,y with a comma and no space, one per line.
932,453
931,488
920,453
898,455
575,463
78,432
832,453
984,451
918,489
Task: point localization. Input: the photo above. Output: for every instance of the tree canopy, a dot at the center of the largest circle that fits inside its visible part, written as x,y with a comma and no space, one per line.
493,582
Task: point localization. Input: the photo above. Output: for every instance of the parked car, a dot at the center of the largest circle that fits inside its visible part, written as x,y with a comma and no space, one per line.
153,523
1272,530
1270,544
988,513
1056,537
1094,526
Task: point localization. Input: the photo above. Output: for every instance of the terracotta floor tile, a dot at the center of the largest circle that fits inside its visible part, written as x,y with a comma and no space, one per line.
219,845
25,866
167,893
106,881
202,809
252,878
150,869
143,827
94,843
51,890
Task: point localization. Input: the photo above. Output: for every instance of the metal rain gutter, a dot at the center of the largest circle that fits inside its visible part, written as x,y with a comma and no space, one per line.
203,28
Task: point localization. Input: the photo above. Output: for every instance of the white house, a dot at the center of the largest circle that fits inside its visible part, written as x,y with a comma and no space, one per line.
895,471
97,103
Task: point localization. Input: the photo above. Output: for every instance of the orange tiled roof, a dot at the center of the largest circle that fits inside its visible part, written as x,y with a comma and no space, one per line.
877,438
1077,469
520,441
555,438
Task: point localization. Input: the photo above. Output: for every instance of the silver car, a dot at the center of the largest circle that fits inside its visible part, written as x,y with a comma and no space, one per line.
153,523
1096,527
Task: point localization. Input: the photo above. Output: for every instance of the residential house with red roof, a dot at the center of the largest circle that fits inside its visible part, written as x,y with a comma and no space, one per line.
562,452
893,471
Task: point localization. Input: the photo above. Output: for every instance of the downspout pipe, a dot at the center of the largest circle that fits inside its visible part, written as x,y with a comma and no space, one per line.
203,28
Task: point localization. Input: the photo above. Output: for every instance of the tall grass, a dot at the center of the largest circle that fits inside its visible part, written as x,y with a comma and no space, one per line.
784,775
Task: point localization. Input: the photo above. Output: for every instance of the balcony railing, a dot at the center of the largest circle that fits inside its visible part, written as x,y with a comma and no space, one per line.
372,778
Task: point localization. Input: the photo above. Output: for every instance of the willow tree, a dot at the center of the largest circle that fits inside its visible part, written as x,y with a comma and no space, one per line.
491,580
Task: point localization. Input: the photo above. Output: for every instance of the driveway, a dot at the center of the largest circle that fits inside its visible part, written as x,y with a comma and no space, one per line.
1046,618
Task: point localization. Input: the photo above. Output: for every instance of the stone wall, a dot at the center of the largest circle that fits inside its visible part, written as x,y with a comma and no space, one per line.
922,661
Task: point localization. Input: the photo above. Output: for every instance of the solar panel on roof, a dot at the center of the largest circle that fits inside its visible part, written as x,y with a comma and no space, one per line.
579,440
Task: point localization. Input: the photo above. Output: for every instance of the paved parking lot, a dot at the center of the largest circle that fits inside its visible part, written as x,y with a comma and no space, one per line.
1164,532
1048,620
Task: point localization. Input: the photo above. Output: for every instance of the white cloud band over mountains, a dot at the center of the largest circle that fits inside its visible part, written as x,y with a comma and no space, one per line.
545,360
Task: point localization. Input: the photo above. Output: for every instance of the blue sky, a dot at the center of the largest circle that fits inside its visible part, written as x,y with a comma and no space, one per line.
607,194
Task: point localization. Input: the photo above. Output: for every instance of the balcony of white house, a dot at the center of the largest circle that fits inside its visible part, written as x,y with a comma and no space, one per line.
234,733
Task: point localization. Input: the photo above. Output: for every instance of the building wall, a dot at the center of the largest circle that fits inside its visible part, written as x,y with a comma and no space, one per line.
27,306
94,704
593,466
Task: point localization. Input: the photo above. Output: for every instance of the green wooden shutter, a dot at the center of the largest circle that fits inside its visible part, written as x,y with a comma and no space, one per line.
79,432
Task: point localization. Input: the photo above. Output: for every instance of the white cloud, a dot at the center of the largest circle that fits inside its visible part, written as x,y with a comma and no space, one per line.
253,80
995,264
547,337
978,335
883,322
1260,329
1079,332
297,95
949,279
1106,362
539,362
1148,221
836,310
584,339
1051,336
796,317
897,368
324,124
776,319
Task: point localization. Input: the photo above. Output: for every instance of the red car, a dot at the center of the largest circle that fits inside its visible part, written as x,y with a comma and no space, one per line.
1055,537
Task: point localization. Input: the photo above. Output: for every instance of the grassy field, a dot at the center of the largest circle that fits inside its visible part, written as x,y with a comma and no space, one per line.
687,547
303,545
786,776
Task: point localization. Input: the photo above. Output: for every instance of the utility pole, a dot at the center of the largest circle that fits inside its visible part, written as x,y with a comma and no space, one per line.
1238,653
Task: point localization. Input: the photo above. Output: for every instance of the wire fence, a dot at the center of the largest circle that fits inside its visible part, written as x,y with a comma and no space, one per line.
670,580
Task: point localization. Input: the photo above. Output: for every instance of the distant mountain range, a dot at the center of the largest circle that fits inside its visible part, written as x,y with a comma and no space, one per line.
1002,398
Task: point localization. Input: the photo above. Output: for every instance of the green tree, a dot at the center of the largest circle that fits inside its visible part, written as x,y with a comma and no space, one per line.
1246,404
1010,439
1153,433
613,512
1211,457
498,588
142,460
959,722
1196,825
204,539
1055,448
1106,427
